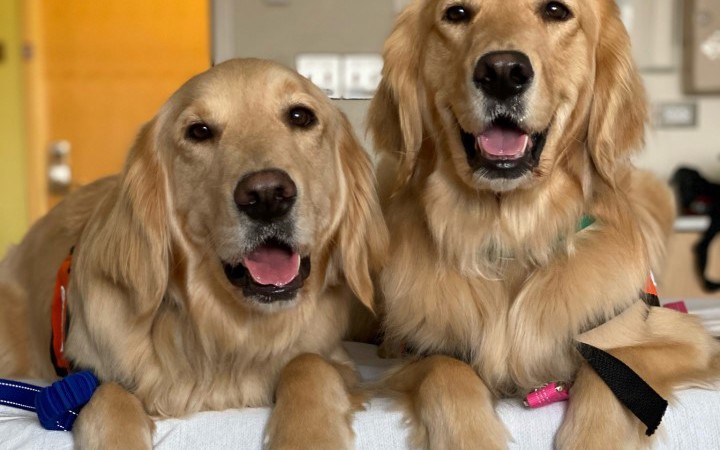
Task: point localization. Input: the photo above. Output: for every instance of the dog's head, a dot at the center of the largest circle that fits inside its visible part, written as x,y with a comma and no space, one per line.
250,173
508,88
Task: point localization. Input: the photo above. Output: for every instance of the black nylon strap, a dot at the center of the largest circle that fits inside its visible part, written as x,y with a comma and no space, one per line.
628,387
650,299
59,371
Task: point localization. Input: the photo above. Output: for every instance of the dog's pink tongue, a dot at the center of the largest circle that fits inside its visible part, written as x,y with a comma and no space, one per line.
503,142
270,265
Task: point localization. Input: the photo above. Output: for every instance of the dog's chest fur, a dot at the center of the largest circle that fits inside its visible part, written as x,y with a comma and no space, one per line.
197,356
239,366
457,284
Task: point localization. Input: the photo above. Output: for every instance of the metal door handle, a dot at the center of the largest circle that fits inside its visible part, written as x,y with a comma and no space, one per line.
59,172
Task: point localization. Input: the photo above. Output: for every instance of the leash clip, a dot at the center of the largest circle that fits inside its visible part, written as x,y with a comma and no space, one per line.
553,392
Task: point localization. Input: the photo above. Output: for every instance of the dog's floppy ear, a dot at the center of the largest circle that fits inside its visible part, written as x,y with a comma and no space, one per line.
362,235
395,116
126,248
619,109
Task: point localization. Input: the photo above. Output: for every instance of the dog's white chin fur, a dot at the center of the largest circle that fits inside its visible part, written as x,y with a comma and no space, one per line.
501,185
274,307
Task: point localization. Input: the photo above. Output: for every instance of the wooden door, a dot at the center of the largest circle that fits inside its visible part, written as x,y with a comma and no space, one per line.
96,71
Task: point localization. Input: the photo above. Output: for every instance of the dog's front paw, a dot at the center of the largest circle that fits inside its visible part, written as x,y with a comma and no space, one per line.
598,436
447,405
595,418
313,406
113,419
335,434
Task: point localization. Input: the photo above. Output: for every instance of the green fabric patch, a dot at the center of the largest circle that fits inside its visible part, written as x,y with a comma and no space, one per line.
584,222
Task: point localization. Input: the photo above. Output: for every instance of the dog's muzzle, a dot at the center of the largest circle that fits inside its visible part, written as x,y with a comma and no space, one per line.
503,149
273,271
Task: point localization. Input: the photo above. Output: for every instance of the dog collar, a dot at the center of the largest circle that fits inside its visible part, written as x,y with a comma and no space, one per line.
59,318
585,221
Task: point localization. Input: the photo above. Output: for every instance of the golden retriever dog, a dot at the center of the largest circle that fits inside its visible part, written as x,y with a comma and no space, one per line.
216,271
502,126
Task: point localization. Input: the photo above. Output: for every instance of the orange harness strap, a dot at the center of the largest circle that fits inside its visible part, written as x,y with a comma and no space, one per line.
59,318
650,293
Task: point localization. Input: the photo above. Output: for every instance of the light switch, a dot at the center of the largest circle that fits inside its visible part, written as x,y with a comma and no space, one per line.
362,75
672,115
323,70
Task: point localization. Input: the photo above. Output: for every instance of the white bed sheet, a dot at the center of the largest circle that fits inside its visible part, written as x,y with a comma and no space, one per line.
691,422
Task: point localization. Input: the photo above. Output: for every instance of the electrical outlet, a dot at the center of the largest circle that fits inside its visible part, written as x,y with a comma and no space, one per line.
675,115
362,75
323,70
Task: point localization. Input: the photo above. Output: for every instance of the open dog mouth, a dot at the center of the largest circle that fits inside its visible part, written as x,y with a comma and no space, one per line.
503,149
273,271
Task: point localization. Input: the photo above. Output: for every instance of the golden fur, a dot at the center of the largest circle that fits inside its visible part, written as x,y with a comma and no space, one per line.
493,271
152,312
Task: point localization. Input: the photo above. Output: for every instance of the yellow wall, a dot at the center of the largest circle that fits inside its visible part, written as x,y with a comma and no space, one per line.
13,170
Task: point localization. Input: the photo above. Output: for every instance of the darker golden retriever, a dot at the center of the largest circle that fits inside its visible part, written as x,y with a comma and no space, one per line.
503,126
216,271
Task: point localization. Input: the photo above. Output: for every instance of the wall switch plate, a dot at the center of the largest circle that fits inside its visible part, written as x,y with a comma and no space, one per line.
323,70
361,75
675,115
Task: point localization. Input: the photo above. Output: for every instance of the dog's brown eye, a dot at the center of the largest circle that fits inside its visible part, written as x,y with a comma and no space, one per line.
556,12
301,117
457,14
199,132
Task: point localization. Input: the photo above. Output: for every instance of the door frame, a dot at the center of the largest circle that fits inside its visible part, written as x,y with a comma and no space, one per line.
36,118
222,30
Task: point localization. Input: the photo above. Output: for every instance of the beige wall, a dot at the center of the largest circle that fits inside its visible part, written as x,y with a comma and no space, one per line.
359,26
669,148
13,170
305,26
656,30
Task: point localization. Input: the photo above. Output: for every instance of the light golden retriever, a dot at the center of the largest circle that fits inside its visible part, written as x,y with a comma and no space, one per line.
216,271
501,125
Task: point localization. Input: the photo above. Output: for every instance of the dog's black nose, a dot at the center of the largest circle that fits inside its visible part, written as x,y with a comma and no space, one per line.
266,195
502,75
